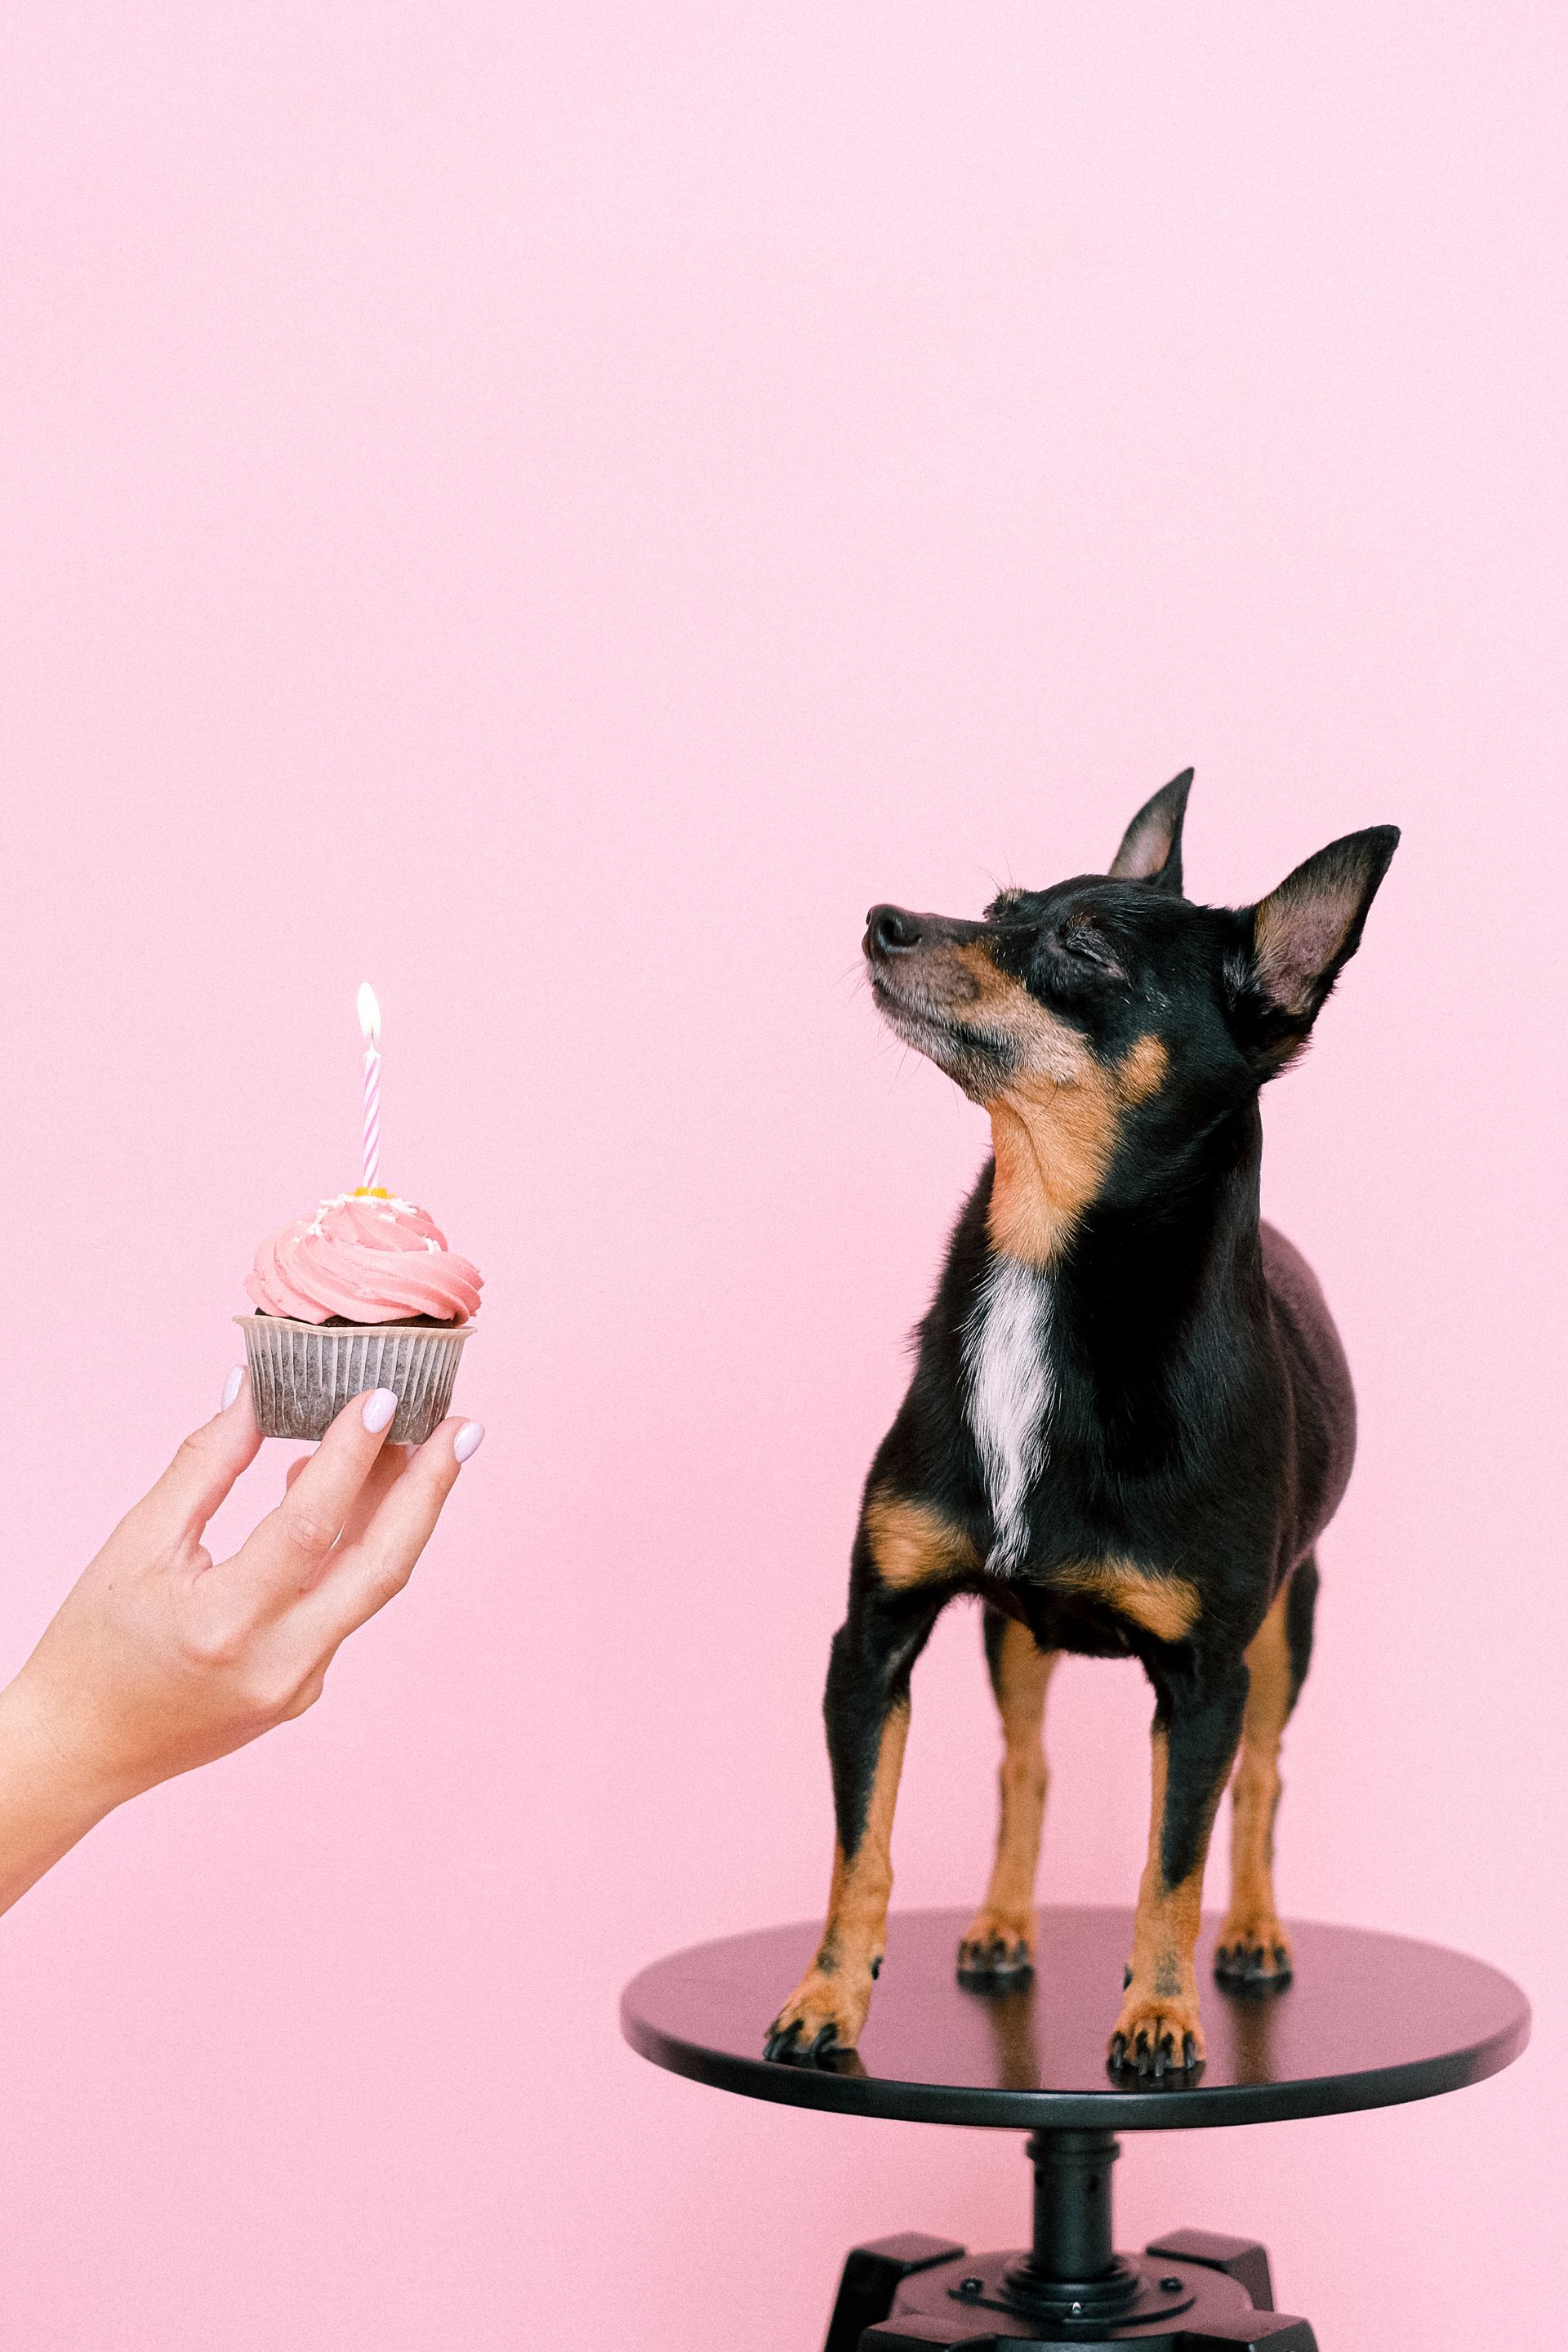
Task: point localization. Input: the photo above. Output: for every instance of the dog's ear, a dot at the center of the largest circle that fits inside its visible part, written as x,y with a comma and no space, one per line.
1151,847
1296,943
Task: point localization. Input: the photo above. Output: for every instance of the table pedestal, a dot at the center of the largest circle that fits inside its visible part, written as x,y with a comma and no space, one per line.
1190,2290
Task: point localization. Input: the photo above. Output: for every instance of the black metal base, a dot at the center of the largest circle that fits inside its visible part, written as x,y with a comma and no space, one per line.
1190,2291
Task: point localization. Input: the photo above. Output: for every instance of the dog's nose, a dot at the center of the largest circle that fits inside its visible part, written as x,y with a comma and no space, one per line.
890,931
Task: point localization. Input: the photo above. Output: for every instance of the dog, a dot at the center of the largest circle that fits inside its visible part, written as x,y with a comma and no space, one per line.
1130,1416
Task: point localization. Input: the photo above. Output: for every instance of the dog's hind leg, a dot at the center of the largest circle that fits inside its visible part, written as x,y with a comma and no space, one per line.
1254,1948
867,1707
999,1942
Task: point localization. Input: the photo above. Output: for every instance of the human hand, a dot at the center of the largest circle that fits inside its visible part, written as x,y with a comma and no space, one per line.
161,1659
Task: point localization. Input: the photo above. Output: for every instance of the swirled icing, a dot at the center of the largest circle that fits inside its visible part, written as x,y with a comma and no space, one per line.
367,1259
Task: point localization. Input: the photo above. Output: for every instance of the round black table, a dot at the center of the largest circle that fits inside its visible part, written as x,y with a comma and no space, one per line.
1368,2020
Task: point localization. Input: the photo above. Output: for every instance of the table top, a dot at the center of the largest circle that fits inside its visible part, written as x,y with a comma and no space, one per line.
1369,2020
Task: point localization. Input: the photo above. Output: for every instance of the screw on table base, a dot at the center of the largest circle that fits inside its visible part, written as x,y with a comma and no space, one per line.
1192,2291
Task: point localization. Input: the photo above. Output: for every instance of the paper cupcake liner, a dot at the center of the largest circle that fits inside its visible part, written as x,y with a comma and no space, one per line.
302,1374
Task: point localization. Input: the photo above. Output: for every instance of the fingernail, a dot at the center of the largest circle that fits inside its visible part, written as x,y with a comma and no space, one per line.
232,1386
379,1408
468,1440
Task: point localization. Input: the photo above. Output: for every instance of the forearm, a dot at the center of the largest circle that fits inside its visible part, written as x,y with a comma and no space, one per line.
48,1798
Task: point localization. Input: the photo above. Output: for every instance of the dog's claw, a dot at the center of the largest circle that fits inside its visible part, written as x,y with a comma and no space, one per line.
1255,1959
995,1959
1152,2058
994,1951
784,2047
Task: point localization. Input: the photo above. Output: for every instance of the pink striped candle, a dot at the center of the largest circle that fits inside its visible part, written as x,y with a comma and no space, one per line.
370,1024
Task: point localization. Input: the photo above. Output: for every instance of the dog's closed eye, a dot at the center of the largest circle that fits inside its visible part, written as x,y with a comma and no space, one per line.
1086,944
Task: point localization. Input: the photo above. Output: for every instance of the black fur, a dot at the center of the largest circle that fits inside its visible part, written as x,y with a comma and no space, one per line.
1300,1619
868,1669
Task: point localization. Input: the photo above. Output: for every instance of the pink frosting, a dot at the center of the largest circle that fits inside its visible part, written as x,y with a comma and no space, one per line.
368,1260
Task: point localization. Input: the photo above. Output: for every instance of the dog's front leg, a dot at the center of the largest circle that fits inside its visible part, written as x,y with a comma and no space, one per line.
1197,1727
867,1707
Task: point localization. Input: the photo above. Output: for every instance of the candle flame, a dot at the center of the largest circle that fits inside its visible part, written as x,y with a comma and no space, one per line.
369,1013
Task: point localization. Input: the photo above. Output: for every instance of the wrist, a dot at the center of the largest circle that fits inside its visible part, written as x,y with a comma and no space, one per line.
53,1787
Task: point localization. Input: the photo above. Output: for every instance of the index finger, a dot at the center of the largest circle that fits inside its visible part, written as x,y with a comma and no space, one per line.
289,1548
382,1561
388,1467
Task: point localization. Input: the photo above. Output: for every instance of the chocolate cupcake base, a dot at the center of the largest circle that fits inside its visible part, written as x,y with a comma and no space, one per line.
302,1374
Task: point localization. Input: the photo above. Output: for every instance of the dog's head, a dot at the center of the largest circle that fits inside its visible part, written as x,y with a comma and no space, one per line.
1111,993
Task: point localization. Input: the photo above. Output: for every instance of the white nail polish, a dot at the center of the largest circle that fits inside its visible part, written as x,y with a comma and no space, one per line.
379,1408
232,1386
468,1440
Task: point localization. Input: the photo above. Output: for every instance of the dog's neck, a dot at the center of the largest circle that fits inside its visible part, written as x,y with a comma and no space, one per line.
1055,1141
1058,1202
1050,1154
1080,1344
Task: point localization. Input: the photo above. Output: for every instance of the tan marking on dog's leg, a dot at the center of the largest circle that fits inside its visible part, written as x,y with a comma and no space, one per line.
912,1543
1165,1606
835,1991
1000,1939
1252,1943
1160,2005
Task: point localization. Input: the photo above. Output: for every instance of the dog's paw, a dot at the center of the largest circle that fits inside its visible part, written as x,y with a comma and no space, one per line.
997,1947
1157,2034
823,2016
1253,1950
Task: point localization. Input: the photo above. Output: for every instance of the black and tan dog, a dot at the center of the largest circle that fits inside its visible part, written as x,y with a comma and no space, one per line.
1130,1416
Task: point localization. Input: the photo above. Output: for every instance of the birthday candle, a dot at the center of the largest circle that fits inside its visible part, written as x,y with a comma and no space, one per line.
370,1024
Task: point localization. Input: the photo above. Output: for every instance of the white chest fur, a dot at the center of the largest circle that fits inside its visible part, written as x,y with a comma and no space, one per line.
1007,1356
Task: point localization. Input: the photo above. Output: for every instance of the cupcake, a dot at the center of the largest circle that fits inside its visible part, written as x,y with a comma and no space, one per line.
365,1294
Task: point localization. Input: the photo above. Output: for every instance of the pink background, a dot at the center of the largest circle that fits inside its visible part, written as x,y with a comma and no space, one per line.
555,509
